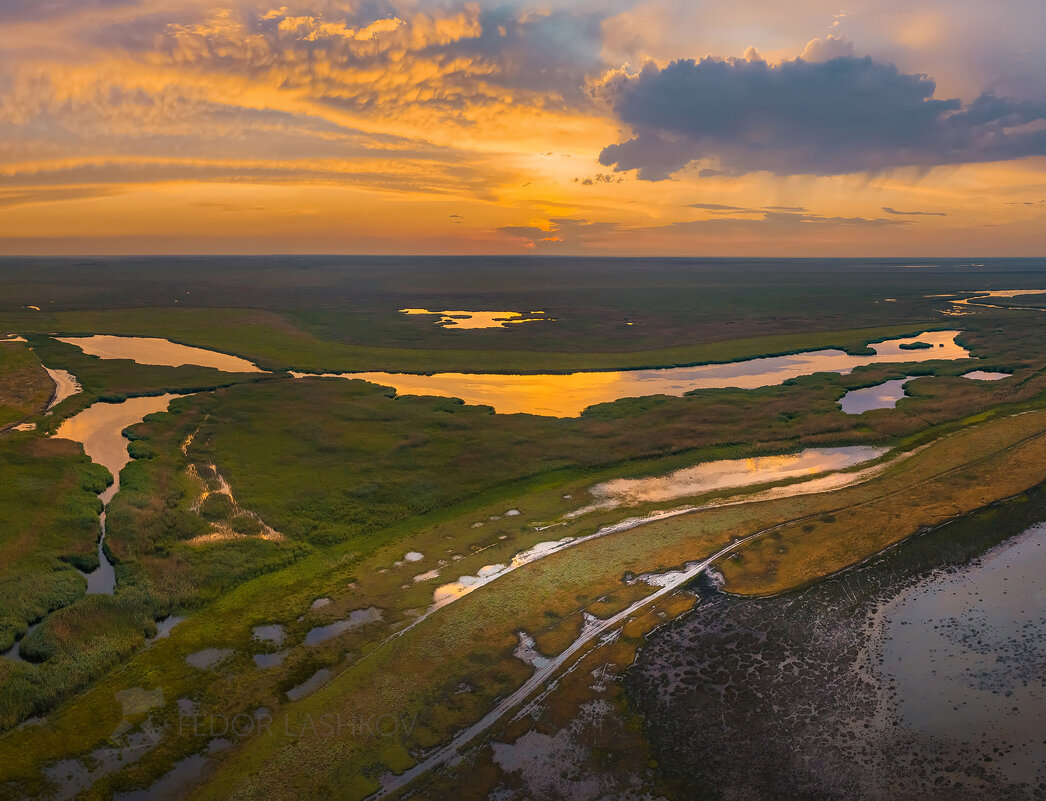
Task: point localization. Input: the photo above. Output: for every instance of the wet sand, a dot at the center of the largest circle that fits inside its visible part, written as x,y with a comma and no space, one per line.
65,384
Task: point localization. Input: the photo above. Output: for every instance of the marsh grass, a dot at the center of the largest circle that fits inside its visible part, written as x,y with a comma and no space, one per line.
48,525
25,387
354,478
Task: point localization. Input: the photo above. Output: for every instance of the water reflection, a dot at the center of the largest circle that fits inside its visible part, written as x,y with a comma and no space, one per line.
725,474
568,395
99,428
981,295
150,350
310,685
481,319
881,396
356,618
965,652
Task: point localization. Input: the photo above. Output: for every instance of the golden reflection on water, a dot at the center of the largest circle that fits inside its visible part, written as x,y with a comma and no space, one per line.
99,428
151,350
568,395
480,319
981,295
731,473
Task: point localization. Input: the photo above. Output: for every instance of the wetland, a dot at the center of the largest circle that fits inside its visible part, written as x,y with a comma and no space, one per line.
716,530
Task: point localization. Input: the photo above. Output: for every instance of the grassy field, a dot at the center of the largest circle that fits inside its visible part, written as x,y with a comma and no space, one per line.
404,677
341,314
417,673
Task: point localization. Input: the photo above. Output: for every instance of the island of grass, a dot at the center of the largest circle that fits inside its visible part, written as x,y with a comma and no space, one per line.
915,345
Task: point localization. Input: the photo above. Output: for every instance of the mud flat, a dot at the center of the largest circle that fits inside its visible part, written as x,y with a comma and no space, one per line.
65,384
917,675
982,375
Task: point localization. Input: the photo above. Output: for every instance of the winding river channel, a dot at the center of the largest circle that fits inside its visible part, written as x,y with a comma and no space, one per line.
99,428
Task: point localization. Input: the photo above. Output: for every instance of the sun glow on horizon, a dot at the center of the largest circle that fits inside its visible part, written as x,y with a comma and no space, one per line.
463,128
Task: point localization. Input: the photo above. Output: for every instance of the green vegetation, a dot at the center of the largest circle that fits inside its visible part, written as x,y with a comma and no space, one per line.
245,504
914,345
341,314
417,673
25,387
48,525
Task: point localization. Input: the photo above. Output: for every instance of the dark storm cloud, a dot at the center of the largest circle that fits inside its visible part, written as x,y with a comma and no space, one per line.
889,210
840,116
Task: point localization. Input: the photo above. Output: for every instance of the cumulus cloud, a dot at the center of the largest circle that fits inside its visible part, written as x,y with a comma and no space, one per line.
826,49
599,178
844,115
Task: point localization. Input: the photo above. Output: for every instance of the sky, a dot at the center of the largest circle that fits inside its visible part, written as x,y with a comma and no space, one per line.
621,127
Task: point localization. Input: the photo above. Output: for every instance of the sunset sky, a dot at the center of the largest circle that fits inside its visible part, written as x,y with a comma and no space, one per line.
668,127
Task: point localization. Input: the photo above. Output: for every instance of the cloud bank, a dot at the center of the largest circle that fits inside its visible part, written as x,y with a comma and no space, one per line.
833,117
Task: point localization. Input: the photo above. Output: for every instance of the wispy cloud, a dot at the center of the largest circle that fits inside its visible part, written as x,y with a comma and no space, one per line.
889,210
